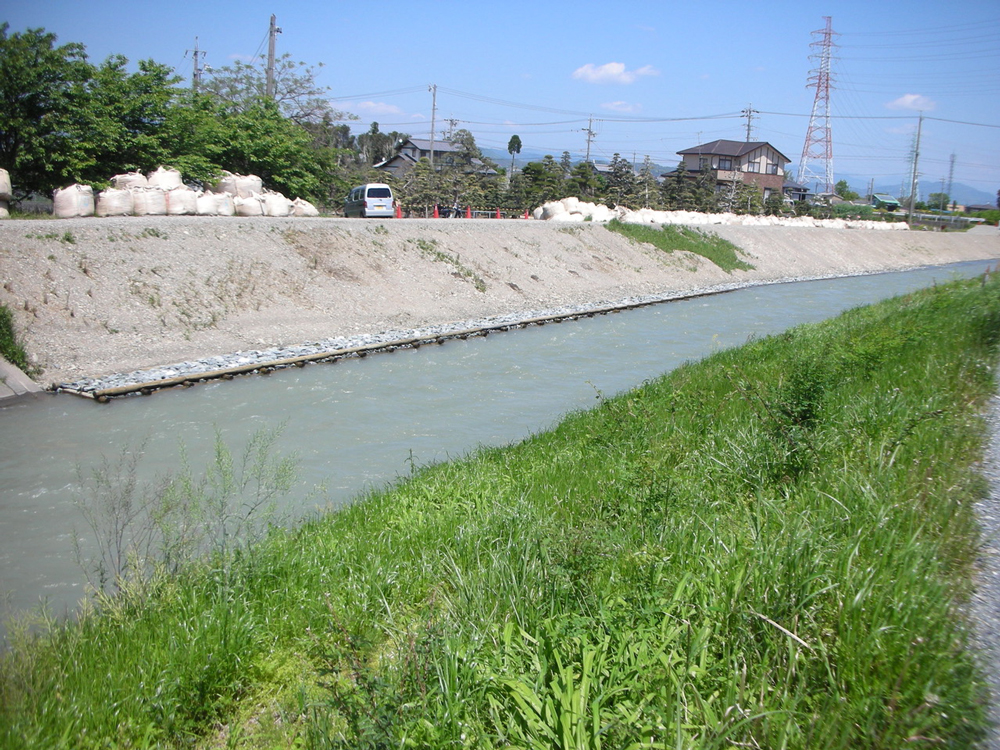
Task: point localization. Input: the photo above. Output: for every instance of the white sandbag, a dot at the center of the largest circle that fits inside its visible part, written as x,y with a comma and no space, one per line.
166,178
302,207
208,204
238,185
182,201
75,200
224,204
129,180
4,212
275,204
148,201
252,206
112,202
6,193
553,209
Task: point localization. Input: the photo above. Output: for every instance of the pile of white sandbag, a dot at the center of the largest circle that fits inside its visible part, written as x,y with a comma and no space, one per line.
573,209
163,193
5,193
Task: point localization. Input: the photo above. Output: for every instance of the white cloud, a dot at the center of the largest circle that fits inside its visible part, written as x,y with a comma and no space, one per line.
612,72
912,101
377,108
621,106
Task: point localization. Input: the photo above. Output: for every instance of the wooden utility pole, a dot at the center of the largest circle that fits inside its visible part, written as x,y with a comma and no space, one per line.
748,113
916,159
271,34
196,72
434,98
590,136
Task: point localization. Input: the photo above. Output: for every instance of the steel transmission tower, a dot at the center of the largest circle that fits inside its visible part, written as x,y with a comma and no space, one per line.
819,142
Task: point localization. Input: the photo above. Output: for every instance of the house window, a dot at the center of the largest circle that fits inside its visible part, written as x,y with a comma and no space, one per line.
772,168
704,162
767,193
725,163
753,166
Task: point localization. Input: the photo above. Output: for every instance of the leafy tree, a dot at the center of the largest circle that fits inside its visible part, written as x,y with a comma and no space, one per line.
42,90
938,200
998,199
240,86
122,123
514,147
704,196
376,146
844,191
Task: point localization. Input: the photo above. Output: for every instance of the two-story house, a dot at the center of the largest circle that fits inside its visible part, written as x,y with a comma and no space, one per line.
754,163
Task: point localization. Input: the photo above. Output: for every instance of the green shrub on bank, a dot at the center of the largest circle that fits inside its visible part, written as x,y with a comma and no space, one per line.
765,549
669,238
10,343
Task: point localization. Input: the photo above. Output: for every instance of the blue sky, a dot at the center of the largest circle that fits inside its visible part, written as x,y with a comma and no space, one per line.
656,77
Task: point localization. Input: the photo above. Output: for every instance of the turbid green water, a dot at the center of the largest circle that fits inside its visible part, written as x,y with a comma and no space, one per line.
361,422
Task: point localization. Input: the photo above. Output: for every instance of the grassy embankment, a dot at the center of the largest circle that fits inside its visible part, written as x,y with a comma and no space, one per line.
764,549
669,238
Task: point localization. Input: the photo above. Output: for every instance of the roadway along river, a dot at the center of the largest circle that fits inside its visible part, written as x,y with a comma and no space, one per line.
357,423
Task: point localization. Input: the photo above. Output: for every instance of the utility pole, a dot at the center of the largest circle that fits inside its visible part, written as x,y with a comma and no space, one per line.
452,122
590,136
434,98
748,113
273,31
196,73
819,138
916,159
951,177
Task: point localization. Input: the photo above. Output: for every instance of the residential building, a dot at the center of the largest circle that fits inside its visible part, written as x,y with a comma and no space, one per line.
413,150
754,163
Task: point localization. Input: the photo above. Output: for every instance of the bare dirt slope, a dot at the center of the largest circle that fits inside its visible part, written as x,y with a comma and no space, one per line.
99,296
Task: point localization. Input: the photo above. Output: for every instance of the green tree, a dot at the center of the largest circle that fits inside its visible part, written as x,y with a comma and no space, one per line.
775,204
375,146
42,90
566,162
513,147
123,120
543,181
678,193
939,201
844,191
240,86
584,182
647,189
620,181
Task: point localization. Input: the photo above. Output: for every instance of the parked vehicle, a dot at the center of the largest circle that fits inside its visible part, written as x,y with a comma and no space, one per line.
373,199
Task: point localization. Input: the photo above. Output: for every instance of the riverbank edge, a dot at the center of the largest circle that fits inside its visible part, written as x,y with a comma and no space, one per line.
262,362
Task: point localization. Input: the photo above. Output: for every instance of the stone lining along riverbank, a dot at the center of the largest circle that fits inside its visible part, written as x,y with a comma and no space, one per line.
97,297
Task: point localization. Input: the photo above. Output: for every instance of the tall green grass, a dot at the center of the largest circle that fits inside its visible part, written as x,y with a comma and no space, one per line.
669,238
768,548
11,347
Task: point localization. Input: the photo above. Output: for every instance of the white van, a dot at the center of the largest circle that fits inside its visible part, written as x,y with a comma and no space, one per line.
373,199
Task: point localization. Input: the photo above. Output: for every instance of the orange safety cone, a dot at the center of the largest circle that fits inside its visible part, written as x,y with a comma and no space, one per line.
525,213
436,214
399,211
498,213
468,212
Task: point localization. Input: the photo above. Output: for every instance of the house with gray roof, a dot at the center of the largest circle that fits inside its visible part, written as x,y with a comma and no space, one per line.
751,162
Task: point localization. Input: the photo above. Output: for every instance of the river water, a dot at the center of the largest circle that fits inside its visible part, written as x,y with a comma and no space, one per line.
360,423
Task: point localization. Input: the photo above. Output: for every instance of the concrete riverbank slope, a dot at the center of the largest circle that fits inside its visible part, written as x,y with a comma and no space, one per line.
99,296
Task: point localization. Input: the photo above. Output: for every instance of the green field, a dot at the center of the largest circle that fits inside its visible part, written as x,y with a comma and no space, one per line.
769,548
